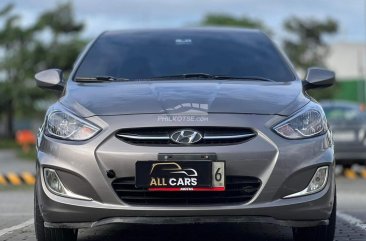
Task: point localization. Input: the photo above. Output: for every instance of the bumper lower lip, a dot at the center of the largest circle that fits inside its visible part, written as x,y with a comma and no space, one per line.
188,220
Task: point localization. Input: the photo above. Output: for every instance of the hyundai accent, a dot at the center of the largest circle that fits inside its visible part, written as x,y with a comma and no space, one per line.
177,126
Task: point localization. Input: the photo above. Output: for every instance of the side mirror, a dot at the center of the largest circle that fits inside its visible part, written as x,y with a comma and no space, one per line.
318,78
50,79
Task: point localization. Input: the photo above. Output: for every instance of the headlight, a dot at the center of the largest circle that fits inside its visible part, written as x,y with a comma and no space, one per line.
307,123
64,126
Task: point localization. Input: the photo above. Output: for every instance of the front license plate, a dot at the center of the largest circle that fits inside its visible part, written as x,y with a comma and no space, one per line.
180,175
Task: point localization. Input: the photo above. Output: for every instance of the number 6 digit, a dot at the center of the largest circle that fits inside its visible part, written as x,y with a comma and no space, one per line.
218,175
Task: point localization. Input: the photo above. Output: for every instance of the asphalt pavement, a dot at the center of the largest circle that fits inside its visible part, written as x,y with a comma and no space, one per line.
16,207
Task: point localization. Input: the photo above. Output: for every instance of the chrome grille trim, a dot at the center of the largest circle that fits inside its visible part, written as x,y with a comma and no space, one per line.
161,136
147,137
228,137
143,137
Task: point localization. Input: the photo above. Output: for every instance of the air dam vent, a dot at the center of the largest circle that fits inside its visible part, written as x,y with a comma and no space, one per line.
161,136
239,190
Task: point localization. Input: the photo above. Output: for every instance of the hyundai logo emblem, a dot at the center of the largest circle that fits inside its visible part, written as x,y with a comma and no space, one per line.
186,136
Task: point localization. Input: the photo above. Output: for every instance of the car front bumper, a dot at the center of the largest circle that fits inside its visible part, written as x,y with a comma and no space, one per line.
283,166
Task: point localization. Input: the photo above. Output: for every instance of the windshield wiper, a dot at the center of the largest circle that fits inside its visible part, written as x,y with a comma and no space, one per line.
178,76
100,79
186,76
211,76
223,77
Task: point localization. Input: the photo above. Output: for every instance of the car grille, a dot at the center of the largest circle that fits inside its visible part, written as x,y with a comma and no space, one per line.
239,190
160,136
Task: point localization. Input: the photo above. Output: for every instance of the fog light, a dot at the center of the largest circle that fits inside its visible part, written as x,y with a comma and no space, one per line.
316,184
53,182
55,185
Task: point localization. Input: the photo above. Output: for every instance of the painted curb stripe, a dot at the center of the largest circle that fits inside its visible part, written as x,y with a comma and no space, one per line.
3,180
350,174
363,173
14,179
17,179
28,178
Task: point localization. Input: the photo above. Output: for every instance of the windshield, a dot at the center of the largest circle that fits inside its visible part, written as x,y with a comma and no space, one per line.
342,113
153,54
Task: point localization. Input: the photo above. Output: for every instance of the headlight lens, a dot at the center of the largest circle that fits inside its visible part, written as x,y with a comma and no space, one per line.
67,127
308,123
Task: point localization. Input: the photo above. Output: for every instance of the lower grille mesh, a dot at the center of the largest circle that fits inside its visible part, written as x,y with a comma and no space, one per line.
239,189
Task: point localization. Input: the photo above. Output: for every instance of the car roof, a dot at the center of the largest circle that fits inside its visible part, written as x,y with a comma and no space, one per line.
213,30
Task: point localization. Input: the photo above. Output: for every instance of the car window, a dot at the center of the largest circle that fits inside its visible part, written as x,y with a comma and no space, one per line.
141,56
342,113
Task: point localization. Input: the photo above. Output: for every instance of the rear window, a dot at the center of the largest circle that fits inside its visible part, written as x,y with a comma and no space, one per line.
142,55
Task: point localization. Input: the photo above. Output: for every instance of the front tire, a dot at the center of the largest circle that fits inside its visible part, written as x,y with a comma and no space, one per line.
318,233
50,234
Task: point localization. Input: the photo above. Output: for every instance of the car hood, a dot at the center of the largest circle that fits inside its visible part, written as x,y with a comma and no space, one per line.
186,96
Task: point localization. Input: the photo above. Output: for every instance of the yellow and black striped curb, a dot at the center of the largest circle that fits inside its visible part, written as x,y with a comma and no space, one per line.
17,179
351,174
